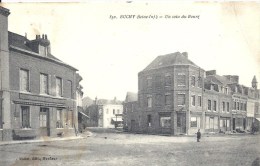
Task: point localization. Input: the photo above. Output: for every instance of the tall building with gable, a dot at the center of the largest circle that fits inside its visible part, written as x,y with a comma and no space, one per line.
37,90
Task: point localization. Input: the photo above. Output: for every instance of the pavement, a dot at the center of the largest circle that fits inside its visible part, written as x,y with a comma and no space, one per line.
48,139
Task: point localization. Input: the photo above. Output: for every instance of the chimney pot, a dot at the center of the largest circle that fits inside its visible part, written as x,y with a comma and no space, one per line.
46,36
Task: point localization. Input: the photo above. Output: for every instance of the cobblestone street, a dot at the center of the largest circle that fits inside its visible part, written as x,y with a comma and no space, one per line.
136,149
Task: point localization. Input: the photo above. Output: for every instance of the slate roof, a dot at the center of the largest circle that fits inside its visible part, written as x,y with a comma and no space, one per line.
131,96
217,79
169,60
20,41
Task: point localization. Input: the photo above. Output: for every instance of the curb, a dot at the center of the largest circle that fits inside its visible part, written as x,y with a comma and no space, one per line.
45,140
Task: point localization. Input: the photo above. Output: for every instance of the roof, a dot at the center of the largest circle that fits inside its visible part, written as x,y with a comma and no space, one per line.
169,60
18,42
217,79
131,96
106,102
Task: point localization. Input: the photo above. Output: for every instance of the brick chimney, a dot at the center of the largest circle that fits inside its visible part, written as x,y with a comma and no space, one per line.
211,72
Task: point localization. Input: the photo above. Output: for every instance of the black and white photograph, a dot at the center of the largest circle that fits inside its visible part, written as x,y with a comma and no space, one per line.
130,83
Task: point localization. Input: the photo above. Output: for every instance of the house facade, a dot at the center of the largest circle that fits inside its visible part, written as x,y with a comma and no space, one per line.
105,113
38,91
175,96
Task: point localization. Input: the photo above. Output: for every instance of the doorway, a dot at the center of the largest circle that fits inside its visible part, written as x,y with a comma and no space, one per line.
181,123
44,122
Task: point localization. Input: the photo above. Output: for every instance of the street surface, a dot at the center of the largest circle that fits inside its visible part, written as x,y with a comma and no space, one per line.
136,149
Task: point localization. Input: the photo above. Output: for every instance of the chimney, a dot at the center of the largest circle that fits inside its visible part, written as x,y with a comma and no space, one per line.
45,36
185,54
211,72
232,78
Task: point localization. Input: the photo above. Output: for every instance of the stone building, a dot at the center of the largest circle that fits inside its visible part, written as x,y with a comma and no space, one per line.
38,91
175,96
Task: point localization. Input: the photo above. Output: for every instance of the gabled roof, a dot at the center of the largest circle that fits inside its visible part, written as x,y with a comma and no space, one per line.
131,96
169,60
107,102
220,80
19,43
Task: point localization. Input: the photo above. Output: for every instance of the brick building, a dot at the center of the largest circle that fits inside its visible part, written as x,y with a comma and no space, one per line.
38,91
175,96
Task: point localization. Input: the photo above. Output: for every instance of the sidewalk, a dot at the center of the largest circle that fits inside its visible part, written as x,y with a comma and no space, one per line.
47,139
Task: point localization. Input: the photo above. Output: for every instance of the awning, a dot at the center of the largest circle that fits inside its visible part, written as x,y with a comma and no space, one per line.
118,119
258,119
84,114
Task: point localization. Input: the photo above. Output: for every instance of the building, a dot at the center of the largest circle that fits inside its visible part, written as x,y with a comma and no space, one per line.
105,113
129,105
38,91
175,96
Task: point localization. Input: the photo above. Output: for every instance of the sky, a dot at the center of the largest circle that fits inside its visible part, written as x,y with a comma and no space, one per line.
109,53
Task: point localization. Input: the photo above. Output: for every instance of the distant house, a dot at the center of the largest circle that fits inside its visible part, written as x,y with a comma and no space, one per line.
129,105
38,91
105,113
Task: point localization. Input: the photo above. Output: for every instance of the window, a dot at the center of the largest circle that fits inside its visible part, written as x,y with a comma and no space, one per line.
223,106
149,82
158,81
181,99
200,82
25,110
199,101
149,101
237,105
226,90
165,122
193,100
24,80
44,89
149,120
114,111
181,79
241,106
168,99
168,80
70,93
195,122
227,106
209,104
59,123
43,117
215,106
245,106
192,80
158,100
58,86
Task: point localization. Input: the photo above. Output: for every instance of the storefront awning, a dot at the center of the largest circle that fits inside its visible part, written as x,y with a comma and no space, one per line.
118,119
84,114
258,119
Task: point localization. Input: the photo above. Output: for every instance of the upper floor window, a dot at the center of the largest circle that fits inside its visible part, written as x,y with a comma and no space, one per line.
227,106
168,99
24,80
226,90
200,82
238,106
168,80
158,81
149,101
215,106
149,82
158,99
200,101
58,86
181,99
70,93
193,100
114,111
223,106
181,79
192,80
209,104
44,89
